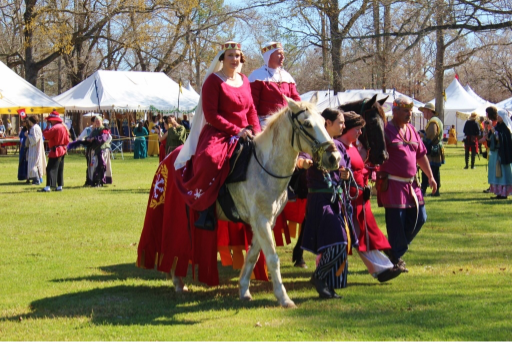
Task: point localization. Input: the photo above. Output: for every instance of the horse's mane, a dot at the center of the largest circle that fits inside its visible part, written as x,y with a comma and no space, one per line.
274,117
356,106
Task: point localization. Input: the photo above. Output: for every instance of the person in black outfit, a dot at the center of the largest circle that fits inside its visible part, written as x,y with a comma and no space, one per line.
472,132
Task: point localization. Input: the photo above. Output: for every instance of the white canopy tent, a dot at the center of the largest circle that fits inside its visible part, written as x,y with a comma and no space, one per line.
127,91
192,91
505,104
457,100
16,93
328,100
322,95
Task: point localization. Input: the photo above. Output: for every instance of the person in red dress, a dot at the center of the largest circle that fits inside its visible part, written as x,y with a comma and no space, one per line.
371,239
58,140
270,82
197,170
268,85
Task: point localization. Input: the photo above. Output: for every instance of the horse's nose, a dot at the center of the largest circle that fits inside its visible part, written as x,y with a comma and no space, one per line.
332,159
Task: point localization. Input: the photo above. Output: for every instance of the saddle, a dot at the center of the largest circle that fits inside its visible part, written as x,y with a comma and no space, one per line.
238,164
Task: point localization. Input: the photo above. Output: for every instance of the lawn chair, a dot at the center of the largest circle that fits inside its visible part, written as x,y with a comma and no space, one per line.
116,145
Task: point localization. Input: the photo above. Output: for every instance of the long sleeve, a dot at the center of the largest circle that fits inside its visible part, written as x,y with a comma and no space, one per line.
49,134
34,136
256,88
85,133
293,92
252,118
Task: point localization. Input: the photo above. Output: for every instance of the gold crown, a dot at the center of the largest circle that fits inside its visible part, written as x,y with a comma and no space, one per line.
403,105
231,45
271,46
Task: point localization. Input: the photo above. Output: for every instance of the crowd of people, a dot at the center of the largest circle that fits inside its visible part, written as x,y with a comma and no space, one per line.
160,136
32,158
490,137
233,107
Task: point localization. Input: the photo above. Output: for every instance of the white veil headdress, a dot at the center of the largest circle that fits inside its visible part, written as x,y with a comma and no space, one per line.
506,118
198,121
269,49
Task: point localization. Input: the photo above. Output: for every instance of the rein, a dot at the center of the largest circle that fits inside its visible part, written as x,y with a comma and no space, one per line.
267,171
317,147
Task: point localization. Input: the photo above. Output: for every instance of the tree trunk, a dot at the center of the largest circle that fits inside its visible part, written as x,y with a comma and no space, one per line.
325,72
386,51
376,76
337,67
439,67
28,16
439,74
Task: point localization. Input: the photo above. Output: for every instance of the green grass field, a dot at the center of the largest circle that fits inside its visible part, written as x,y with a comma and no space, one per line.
67,271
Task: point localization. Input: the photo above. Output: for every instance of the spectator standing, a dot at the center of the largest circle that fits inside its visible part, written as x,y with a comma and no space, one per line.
36,157
472,132
58,139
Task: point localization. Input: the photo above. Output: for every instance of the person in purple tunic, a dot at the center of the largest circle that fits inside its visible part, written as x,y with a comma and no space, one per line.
328,228
398,189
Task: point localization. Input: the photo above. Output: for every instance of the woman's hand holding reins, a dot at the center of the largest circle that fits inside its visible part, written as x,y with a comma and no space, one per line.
344,173
303,163
244,133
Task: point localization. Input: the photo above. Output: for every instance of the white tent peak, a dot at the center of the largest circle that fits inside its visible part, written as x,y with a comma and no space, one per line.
457,100
127,90
192,90
471,92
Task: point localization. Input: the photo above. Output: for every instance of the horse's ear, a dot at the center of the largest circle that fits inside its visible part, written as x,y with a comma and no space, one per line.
314,98
382,101
292,104
370,103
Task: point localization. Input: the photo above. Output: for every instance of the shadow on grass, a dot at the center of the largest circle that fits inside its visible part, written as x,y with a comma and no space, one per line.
140,305
23,182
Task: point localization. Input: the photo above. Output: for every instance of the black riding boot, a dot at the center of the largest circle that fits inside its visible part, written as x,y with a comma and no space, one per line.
466,156
207,220
473,155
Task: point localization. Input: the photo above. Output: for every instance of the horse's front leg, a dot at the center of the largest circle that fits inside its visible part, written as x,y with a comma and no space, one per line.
245,275
263,234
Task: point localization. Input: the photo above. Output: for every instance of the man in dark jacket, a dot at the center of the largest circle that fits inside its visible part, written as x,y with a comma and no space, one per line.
472,132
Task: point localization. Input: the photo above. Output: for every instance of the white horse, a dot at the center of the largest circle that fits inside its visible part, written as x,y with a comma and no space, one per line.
295,128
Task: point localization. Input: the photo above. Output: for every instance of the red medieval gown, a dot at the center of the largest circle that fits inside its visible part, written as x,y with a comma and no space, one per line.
169,240
370,236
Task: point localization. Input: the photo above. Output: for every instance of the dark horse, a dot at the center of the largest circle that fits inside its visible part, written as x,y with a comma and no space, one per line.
373,133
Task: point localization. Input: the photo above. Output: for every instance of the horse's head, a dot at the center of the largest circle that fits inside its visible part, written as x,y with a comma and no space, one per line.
309,134
373,138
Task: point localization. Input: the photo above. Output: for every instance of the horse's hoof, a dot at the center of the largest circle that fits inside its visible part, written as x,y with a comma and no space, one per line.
246,298
181,289
289,305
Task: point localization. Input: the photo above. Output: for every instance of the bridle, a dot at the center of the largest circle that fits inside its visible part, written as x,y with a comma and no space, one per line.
299,130
365,131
